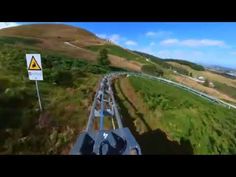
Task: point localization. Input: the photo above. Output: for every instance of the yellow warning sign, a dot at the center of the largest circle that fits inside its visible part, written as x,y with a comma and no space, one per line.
33,64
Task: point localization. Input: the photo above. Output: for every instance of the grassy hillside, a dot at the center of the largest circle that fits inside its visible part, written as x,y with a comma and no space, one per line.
66,92
18,40
70,41
162,62
229,90
176,121
222,83
57,32
118,51
154,59
179,121
187,63
224,87
152,70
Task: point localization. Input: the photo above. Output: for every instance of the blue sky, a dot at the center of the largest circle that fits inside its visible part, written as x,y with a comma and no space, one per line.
205,42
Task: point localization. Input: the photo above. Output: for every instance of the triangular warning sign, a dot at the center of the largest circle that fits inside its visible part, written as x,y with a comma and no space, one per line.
33,64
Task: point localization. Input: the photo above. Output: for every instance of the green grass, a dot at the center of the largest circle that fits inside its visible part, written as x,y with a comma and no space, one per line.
118,51
18,40
158,61
187,63
154,70
209,127
228,90
65,104
64,109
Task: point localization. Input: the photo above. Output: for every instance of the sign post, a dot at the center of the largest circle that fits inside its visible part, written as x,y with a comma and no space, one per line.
35,71
37,88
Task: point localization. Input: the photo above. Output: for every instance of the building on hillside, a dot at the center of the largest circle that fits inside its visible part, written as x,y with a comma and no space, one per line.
201,78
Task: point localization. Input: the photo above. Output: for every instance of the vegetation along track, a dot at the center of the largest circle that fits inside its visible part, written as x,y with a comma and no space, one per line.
201,94
144,130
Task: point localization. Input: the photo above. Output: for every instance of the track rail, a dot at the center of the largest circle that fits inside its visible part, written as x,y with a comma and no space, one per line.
119,140
189,89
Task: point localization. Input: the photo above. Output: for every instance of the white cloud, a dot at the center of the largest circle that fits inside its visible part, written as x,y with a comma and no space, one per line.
203,42
131,43
115,38
103,36
118,39
233,53
169,42
148,50
158,33
181,54
150,33
193,42
8,24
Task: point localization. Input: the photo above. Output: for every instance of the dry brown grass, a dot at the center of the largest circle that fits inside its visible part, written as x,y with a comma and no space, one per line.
53,37
58,32
129,92
219,78
123,63
197,86
211,76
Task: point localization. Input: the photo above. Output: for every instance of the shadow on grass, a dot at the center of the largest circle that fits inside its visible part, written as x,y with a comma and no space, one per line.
152,141
156,142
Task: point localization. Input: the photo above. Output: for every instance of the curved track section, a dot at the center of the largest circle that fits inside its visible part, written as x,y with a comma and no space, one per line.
100,141
118,140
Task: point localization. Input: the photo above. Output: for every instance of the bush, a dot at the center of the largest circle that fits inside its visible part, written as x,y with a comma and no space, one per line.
153,70
97,69
64,78
180,70
103,57
206,83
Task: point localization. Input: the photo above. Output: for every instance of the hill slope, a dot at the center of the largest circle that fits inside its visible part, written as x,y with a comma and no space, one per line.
67,40
169,120
70,74
57,32
70,77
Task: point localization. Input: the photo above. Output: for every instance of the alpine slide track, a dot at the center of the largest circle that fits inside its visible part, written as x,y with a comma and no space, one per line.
118,140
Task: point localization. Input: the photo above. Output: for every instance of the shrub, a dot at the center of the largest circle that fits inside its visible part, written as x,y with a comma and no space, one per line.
103,57
153,70
206,83
64,78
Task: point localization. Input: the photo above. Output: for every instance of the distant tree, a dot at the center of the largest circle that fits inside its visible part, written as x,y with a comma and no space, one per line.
153,70
181,70
103,57
160,72
191,74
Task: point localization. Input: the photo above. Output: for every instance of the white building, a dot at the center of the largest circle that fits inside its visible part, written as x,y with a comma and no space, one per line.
201,78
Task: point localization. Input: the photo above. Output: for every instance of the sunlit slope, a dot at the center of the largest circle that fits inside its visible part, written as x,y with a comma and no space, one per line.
174,120
71,41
